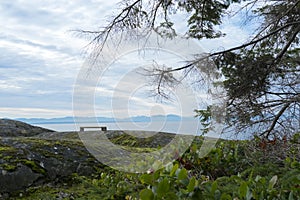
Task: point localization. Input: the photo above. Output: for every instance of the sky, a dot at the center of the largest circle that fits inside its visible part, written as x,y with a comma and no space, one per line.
41,58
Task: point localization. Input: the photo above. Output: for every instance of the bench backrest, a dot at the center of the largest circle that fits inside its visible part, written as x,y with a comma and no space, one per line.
103,128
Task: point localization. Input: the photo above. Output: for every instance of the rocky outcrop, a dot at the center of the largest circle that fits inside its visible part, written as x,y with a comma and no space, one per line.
44,156
12,128
22,177
32,156
31,161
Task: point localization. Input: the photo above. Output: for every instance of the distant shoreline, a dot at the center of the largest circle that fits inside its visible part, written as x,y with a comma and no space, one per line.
69,119
68,122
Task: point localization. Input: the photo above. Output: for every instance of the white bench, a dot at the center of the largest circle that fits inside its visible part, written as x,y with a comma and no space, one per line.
103,128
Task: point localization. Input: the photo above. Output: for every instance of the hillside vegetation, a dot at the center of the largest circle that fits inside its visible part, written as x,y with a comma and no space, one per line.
57,166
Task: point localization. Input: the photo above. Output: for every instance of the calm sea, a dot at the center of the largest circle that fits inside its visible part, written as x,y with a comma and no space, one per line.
182,127
177,127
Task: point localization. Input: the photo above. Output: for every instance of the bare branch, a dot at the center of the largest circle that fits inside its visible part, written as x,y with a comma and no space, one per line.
288,44
276,21
278,115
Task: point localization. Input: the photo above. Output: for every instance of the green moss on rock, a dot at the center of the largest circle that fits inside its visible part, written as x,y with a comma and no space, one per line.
7,149
33,166
8,167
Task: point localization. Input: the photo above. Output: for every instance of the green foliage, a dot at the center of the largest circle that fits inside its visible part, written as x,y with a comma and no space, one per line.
205,118
296,138
225,173
146,194
204,16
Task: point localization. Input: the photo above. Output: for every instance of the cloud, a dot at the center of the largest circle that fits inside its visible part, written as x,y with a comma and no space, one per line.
40,57
29,112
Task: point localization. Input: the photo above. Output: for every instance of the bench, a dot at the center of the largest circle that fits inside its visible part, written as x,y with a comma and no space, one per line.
103,128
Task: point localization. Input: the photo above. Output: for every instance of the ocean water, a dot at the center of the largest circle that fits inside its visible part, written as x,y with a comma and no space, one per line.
176,127
182,127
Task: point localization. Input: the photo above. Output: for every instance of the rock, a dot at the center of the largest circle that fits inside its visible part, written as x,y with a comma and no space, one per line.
13,128
32,161
32,156
21,178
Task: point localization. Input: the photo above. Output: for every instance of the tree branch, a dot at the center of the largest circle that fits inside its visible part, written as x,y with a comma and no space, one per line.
287,45
276,21
278,115
235,48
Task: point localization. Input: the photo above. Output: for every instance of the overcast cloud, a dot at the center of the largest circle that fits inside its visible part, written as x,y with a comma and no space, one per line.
40,57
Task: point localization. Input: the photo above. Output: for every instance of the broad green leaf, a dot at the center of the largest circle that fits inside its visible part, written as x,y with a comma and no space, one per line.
157,174
214,187
243,190
182,174
191,184
295,164
194,148
183,191
163,187
272,182
171,196
291,196
175,167
225,196
146,194
146,179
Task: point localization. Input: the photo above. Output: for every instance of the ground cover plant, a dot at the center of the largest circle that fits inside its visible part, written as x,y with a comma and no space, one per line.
232,170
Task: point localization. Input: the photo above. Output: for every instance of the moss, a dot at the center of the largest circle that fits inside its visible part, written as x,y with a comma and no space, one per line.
9,167
7,158
138,150
39,142
7,149
44,192
33,166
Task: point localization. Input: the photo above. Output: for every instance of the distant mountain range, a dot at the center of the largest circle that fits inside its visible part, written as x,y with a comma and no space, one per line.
66,120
